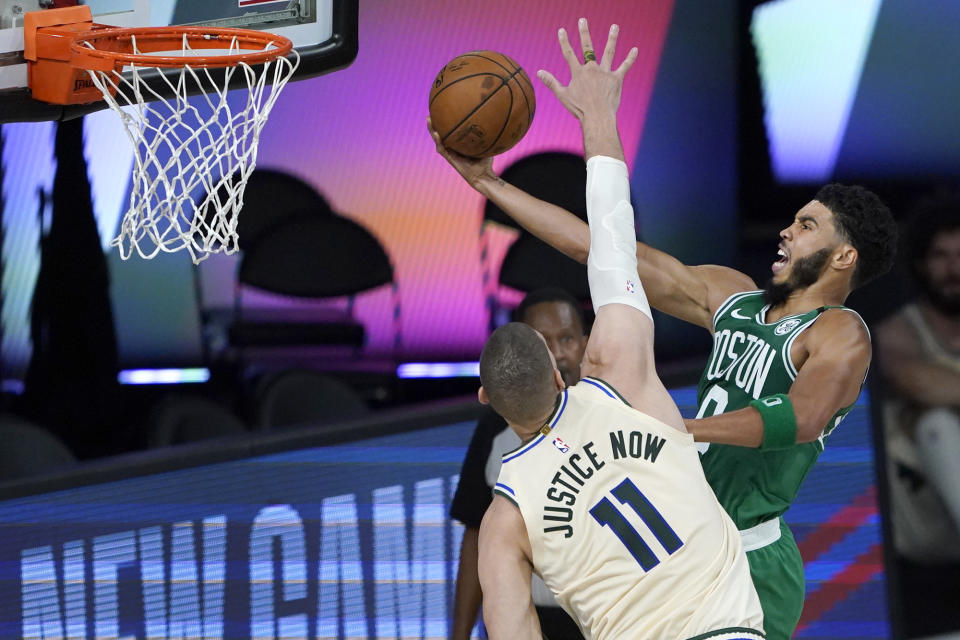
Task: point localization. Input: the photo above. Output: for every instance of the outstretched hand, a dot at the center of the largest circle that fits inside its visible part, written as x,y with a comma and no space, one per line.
594,87
473,170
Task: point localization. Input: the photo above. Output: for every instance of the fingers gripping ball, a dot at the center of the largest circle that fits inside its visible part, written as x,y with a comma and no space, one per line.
481,104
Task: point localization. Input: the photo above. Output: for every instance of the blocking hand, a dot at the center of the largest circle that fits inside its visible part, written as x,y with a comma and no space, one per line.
594,87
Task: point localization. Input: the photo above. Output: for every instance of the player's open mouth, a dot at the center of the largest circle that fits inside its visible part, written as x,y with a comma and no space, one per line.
782,260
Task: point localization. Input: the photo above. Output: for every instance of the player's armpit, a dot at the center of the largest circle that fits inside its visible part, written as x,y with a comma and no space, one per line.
690,293
838,354
620,352
505,573
721,282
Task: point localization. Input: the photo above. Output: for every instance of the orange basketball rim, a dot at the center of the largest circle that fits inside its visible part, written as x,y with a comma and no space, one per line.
63,45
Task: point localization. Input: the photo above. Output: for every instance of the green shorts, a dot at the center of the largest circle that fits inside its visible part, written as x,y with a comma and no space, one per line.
777,572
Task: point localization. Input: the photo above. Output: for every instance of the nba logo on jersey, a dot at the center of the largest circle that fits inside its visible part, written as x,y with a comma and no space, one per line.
631,286
786,326
561,445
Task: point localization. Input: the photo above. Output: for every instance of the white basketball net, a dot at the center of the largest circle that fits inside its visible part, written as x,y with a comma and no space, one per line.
192,156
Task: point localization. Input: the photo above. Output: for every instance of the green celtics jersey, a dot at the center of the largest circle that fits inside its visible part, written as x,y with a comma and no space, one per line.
750,360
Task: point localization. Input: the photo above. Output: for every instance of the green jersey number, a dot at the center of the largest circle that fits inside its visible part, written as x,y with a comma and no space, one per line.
714,403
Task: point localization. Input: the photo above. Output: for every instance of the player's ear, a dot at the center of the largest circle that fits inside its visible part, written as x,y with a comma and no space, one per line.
482,396
557,380
845,257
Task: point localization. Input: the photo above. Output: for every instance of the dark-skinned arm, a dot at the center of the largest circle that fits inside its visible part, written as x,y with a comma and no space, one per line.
468,596
690,293
838,354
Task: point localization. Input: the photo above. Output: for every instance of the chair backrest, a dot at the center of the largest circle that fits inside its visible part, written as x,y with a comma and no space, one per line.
319,258
312,256
181,419
556,177
532,264
29,450
270,198
301,397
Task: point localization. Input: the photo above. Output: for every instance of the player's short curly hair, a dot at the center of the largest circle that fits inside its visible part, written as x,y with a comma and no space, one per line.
867,224
517,373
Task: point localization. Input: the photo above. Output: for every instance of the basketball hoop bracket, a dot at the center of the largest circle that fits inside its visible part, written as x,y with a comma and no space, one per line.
47,37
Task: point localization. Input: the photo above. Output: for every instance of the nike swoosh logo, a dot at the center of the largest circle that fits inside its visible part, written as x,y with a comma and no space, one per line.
735,313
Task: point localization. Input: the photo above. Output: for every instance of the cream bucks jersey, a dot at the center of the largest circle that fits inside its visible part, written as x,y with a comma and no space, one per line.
750,360
624,528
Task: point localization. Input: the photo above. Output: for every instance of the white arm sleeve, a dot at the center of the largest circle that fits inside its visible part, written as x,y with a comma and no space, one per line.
612,262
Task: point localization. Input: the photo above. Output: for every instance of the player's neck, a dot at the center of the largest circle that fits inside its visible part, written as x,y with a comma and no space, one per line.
807,299
530,429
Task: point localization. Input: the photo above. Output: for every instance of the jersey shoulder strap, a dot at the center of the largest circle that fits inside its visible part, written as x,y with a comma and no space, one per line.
843,308
733,300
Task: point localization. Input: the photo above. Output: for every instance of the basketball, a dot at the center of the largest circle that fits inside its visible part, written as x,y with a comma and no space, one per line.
481,104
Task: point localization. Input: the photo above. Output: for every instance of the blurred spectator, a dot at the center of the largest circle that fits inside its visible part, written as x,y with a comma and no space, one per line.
557,315
918,350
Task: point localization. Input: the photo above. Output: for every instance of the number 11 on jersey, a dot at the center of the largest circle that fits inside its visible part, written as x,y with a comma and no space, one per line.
607,514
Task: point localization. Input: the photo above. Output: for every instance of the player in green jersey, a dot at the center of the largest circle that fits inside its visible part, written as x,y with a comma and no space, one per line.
787,364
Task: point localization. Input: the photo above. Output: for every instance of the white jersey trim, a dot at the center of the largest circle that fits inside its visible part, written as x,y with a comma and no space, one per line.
761,535
761,317
522,449
786,352
516,453
788,345
507,493
725,634
606,388
729,302
502,486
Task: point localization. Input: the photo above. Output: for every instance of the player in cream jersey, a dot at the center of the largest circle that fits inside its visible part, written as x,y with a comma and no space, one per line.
623,524
605,500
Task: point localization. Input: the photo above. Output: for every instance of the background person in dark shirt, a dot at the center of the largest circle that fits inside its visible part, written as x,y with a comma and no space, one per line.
559,318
